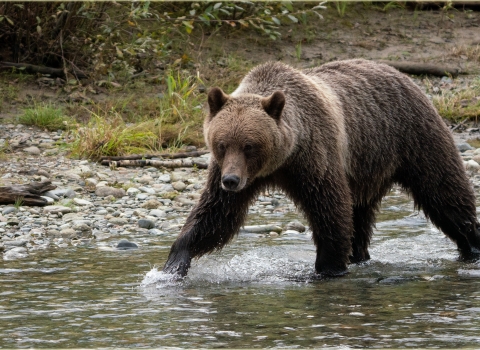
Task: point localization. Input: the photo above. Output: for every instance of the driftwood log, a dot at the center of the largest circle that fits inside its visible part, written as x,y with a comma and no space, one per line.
106,160
54,72
175,163
423,68
27,194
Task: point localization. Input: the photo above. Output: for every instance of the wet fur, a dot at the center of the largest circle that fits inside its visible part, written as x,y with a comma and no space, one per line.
346,132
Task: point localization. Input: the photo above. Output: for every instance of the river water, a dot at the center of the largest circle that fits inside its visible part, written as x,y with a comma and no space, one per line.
257,292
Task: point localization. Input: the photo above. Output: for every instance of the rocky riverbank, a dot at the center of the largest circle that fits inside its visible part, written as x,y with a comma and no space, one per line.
116,209
123,208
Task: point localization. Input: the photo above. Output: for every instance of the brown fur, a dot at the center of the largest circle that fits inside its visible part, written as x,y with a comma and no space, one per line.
334,138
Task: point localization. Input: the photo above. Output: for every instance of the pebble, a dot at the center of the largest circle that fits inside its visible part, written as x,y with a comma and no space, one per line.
57,209
106,191
125,244
15,253
157,213
32,150
295,225
144,223
463,146
179,186
8,210
82,202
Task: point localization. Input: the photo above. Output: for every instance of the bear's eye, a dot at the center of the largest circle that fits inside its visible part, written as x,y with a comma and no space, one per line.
221,147
247,148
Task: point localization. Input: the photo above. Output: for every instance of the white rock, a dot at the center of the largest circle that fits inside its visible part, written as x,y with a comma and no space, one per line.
15,253
48,199
32,150
132,191
82,202
472,165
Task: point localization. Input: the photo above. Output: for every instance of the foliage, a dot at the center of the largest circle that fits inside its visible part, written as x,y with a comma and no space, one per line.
124,38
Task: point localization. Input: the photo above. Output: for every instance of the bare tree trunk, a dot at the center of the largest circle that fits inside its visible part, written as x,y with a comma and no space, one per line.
26,194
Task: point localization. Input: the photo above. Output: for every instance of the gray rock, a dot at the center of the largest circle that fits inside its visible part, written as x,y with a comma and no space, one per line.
296,225
132,191
125,244
156,232
49,200
144,223
165,178
179,186
53,209
8,210
141,196
15,253
157,213
147,190
118,221
16,243
64,192
91,182
463,146
67,233
105,191
51,195
32,150
82,202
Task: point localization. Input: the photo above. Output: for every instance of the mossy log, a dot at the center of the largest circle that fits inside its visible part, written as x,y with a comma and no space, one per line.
423,68
29,195
175,163
53,72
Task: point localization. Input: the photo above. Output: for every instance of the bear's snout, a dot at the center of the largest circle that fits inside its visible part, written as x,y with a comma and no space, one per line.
230,182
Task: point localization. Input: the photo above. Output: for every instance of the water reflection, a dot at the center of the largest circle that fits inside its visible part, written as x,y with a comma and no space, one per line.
258,292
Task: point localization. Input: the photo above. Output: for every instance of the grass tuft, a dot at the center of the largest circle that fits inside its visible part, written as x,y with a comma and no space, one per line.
45,116
457,105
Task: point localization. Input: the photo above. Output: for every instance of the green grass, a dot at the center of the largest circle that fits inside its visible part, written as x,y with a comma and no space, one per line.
8,92
45,116
457,105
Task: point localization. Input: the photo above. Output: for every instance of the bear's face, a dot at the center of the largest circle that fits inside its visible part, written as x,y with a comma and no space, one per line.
243,135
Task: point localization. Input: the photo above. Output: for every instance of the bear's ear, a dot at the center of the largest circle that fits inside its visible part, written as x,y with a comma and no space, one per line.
274,104
216,100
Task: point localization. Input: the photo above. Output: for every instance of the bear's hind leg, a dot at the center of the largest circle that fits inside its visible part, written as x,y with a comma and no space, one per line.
363,222
448,201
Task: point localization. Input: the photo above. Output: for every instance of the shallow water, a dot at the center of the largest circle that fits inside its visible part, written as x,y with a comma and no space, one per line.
258,292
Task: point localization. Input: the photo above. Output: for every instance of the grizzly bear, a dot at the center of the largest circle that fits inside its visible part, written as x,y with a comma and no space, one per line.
335,139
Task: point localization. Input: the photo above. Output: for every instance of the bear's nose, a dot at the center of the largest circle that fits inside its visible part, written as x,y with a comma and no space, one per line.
230,182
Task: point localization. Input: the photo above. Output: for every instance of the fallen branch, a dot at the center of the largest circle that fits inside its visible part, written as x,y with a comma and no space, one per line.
107,160
178,163
32,69
459,124
423,68
26,194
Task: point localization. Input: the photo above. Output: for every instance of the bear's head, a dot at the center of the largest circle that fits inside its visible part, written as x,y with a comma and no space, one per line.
245,135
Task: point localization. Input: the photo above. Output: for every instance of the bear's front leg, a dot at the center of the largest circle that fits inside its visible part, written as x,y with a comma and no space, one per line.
212,223
325,200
